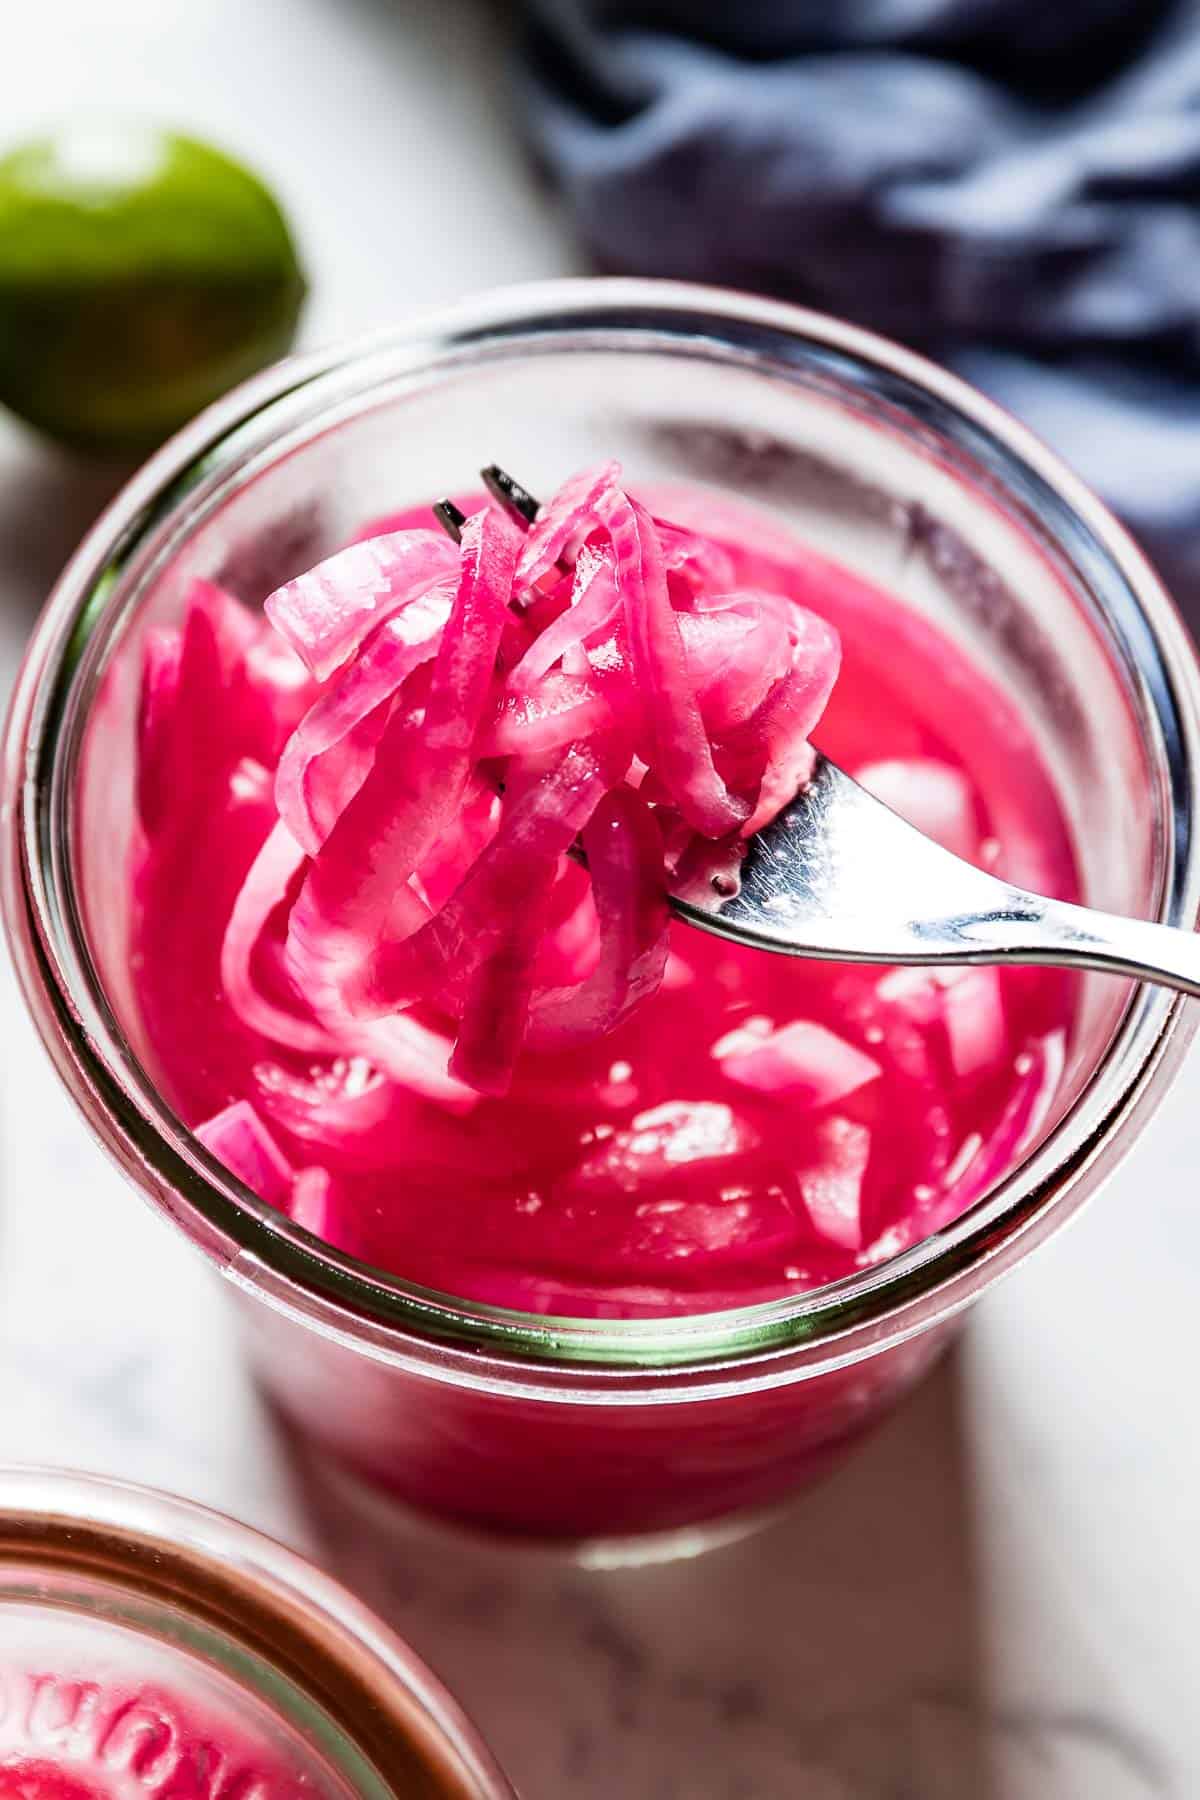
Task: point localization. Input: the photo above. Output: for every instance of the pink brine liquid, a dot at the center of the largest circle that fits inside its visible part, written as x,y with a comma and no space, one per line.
756,1126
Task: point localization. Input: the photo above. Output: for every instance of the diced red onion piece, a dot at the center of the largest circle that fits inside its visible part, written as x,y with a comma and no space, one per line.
805,1061
831,1188
931,795
973,1004
312,1202
1039,1070
967,1002
238,1138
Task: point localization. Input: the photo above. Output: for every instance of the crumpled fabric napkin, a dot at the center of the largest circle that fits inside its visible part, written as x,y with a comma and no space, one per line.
1012,186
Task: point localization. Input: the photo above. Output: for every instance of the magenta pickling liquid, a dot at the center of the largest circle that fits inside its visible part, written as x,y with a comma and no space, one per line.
670,1166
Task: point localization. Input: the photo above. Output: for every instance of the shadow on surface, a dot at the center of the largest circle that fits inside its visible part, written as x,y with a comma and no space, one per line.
832,1655
48,500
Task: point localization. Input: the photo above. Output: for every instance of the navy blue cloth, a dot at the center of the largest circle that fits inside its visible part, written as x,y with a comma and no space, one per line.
1012,186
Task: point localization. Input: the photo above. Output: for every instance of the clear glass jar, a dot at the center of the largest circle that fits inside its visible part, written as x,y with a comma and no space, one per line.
150,1646
576,1427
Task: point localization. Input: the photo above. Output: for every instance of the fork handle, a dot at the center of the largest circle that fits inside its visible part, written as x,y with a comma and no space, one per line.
1056,932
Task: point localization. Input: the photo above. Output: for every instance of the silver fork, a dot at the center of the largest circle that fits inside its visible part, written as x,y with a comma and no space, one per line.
837,874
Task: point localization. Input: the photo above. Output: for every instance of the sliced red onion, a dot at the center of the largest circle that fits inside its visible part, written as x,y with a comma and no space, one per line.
623,847
683,758
483,708
326,613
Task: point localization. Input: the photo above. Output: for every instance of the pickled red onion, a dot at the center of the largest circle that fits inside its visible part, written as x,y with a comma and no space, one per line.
398,647
479,711
328,612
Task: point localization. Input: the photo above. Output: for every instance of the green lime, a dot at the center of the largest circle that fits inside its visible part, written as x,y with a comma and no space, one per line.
141,275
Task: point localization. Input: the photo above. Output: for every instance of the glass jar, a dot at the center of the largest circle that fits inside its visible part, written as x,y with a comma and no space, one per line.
147,1645
567,1426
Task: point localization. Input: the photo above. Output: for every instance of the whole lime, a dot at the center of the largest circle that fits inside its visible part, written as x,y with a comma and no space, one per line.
141,275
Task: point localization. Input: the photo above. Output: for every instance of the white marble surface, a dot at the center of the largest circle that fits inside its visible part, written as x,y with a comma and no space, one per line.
999,1599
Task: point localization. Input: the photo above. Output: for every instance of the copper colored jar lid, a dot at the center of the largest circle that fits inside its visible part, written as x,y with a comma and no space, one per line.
150,1647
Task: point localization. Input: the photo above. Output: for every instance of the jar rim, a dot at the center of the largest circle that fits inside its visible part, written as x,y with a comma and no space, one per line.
251,1589
260,1248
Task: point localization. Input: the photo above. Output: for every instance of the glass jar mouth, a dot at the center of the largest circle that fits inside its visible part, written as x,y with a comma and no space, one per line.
261,1248
141,1558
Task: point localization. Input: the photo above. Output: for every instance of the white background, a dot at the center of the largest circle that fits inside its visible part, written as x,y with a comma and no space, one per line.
999,1599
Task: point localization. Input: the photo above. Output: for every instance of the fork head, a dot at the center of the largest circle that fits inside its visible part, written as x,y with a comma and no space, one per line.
837,874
